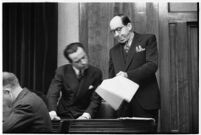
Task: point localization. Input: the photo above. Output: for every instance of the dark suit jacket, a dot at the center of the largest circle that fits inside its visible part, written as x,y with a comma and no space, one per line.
77,96
140,67
29,114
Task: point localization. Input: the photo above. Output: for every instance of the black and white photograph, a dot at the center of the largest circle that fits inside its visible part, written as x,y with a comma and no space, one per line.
100,67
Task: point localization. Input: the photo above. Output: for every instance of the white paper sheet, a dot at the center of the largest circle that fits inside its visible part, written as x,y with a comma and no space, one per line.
117,89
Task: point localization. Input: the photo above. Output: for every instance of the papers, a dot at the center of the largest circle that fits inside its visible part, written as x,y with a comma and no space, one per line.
117,89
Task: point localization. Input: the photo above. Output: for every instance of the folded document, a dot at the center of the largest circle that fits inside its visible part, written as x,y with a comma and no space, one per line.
117,89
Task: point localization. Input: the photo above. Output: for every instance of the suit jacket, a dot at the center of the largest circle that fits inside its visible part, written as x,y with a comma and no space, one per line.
77,96
140,66
28,114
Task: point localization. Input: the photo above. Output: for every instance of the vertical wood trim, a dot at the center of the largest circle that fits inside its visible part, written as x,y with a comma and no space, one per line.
83,24
164,69
182,73
173,79
194,78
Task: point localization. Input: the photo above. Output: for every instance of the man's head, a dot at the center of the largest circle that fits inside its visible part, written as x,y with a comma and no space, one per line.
10,88
76,55
121,27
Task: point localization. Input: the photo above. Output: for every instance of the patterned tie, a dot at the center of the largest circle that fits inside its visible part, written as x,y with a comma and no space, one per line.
126,48
80,75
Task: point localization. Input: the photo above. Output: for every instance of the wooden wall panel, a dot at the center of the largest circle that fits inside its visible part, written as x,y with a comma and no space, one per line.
193,75
183,78
164,70
173,81
95,33
178,69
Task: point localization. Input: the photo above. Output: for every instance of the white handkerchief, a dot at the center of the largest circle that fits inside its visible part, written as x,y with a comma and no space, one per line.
91,87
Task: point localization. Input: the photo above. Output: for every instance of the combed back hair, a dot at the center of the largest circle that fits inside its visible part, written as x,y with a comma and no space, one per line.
125,20
71,48
10,79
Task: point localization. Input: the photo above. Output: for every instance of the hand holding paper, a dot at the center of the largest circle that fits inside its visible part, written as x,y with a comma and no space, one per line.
117,89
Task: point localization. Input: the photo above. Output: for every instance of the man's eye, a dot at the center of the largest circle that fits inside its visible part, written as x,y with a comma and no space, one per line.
6,92
118,29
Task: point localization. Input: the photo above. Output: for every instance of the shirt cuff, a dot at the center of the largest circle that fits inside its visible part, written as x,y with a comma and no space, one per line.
86,115
52,113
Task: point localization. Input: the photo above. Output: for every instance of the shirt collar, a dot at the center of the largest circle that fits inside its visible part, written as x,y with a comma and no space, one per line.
130,40
77,71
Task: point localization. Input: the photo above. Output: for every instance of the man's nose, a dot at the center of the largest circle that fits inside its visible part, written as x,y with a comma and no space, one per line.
116,33
83,61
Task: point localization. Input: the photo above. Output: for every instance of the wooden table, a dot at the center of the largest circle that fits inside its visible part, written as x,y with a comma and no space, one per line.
104,126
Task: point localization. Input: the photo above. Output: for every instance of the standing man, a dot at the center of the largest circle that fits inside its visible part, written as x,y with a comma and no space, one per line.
76,82
23,110
135,57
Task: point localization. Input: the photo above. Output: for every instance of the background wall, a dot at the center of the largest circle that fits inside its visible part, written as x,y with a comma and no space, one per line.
68,28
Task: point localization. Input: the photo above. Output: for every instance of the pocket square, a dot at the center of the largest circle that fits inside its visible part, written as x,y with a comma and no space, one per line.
91,87
139,48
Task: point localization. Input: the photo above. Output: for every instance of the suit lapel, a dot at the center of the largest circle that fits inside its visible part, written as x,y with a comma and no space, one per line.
119,56
72,78
132,51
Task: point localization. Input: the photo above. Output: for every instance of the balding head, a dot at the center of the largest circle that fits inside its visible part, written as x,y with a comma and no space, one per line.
11,88
10,80
115,21
119,20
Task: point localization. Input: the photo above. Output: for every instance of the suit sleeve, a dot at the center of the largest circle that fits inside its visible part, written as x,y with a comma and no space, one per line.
150,66
111,67
54,90
93,107
20,116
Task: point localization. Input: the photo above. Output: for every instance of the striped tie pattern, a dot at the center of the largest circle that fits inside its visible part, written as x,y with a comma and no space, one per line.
126,48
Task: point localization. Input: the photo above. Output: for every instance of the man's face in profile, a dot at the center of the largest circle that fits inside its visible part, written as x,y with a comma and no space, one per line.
79,59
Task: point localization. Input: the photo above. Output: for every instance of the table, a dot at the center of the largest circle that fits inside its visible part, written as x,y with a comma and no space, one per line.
104,126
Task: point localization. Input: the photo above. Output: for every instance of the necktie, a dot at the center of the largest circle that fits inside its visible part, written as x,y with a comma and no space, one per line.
80,75
126,48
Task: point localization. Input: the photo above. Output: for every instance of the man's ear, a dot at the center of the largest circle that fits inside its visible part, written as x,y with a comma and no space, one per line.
129,25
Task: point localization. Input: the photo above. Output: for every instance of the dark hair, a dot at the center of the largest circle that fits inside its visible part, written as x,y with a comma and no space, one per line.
10,79
71,48
125,20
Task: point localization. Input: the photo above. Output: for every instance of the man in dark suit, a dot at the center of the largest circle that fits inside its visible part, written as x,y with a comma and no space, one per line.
76,82
23,110
135,57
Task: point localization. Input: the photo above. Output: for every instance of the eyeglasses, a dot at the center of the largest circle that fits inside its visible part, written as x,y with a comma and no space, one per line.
118,30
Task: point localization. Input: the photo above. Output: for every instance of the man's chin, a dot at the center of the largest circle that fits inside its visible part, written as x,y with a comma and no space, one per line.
85,67
121,41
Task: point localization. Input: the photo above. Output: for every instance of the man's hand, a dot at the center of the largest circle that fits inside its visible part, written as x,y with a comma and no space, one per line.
84,116
53,115
121,73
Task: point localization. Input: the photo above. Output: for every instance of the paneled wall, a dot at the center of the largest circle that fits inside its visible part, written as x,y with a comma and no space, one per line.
68,28
95,34
179,67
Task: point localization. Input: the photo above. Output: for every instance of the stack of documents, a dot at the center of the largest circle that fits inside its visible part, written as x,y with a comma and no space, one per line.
117,89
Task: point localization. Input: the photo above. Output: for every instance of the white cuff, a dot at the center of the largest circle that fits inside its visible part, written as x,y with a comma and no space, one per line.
86,115
53,113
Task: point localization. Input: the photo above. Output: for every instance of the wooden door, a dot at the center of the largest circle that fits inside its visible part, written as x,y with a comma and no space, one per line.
179,67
